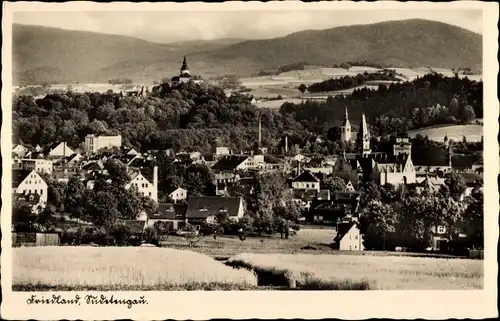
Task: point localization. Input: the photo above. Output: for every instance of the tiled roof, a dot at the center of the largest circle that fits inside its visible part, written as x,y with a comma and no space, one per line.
169,211
306,177
229,163
18,176
343,229
203,206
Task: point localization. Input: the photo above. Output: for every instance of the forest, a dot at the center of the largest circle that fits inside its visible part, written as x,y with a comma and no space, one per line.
195,116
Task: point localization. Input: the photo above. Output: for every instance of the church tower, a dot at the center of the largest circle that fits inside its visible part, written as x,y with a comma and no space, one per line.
184,68
363,139
345,129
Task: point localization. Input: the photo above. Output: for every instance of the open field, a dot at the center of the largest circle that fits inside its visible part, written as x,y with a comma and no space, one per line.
351,272
472,132
119,268
285,84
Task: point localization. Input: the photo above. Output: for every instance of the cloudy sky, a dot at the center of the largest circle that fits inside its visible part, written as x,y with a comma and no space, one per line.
192,25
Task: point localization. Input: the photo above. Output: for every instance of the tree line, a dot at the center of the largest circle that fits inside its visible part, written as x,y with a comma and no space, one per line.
191,116
348,82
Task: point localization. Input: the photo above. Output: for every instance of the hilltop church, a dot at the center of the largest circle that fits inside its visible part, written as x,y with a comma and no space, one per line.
364,165
184,76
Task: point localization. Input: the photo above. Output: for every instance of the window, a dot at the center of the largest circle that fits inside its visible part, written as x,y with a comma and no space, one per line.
441,229
41,191
307,185
29,191
149,193
356,237
313,185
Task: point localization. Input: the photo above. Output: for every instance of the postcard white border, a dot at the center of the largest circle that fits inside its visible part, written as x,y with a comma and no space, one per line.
270,304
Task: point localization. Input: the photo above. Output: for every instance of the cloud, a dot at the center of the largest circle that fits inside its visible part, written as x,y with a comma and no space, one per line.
162,26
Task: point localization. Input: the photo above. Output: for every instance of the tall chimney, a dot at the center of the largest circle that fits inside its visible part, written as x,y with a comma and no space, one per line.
286,144
260,133
155,182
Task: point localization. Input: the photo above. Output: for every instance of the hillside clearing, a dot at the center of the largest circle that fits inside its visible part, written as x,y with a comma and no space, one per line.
472,132
351,272
118,268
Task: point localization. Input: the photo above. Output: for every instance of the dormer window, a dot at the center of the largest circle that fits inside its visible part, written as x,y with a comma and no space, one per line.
203,210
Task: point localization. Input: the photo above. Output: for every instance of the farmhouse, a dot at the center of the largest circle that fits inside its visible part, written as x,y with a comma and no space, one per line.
174,215
31,186
143,185
209,208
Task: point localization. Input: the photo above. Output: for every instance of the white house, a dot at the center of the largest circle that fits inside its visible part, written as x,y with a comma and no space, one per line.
30,185
178,195
349,237
145,187
306,181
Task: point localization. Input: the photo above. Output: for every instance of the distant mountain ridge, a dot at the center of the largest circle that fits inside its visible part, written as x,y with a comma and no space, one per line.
53,55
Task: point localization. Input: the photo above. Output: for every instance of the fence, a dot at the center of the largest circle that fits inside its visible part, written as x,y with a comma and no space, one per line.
476,254
35,239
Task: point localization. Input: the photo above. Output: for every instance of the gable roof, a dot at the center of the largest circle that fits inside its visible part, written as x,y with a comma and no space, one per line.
306,177
229,163
172,189
169,211
203,206
93,166
18,176
343,229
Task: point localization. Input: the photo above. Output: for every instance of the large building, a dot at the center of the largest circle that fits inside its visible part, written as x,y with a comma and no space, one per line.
94,143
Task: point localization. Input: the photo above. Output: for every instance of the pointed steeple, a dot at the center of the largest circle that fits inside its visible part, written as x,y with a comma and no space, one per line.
184,68
346,128
363,141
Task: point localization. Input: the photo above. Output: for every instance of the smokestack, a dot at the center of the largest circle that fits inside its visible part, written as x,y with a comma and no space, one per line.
155,182
286,144
260,133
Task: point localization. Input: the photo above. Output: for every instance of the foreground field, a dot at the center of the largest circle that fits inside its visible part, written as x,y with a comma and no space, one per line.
472,132
350,272
126,268
318,239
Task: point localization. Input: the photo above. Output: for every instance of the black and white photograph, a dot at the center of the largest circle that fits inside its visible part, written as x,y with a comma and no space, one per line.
258,148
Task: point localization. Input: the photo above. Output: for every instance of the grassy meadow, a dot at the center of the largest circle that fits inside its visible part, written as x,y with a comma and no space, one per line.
356,272
122,268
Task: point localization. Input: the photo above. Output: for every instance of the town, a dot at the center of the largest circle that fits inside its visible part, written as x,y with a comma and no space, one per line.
143,194
314,160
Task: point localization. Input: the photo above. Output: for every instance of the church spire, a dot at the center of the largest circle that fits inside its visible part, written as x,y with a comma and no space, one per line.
363,141
346,128
184,68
